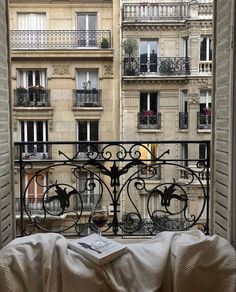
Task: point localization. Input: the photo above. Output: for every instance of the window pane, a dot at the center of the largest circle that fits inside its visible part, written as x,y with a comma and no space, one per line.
39,131
94,130
82,131
210,49
82,21
92,22
143,102
203,49
143,51
153,102
30,131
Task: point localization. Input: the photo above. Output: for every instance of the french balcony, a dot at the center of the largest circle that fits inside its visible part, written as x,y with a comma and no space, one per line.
149,120
87,98
60,39
153,12
33,97
183,120
205,10
204,121
159,66
33,151
205,67
130,171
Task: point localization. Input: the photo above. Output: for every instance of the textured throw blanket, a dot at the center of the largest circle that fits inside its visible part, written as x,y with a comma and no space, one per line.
170,262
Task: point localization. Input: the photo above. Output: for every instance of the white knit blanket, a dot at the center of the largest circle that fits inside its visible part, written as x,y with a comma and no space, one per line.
170,262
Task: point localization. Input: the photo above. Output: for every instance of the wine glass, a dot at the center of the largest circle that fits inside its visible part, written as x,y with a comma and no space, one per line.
99,217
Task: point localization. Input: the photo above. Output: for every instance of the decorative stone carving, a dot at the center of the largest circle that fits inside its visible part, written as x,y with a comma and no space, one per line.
59,69
107,70
193,98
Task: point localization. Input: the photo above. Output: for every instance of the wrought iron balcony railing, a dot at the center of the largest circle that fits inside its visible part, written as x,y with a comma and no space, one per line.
157,66
142,12
33,151
149,120
60,39
31,97
87,98
204,121
183,120
117,172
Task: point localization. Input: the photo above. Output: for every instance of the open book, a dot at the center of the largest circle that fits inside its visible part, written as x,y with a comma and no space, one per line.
100,256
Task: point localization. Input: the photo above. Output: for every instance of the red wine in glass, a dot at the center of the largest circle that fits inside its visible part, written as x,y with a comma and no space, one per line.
99,218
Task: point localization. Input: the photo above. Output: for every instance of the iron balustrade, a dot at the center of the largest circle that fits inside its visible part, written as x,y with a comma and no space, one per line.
87,98
204,120
146,185
60,39
142,12
156,66
32,97
149,121
183,120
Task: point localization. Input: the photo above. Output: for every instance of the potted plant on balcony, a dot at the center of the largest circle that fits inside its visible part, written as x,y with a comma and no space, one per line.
130,48
104,43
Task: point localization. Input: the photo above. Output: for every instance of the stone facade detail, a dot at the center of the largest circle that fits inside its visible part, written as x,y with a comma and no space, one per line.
61,70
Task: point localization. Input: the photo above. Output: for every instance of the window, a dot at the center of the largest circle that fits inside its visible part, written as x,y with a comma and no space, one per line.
35,190
149,117
185,47
205,103
148,154
183,115
202,153
36,131
204,115
87,131
149,102
148,56
88,187
153,205
87,26
28,78
184,153
32,22
206,49
87,79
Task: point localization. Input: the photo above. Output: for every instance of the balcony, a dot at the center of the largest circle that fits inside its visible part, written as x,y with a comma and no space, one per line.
205,67
87,98
183,120
60,39
205,10
203,121
118,170
160,66
33,97
33,151
153,12
149,120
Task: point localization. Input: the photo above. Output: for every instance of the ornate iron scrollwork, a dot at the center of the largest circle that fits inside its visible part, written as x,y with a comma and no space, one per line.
143,198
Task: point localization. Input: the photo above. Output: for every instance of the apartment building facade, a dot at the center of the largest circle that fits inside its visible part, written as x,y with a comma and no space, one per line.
74,78
167,86
63,86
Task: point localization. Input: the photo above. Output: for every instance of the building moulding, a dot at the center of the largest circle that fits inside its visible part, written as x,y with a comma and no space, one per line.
33,114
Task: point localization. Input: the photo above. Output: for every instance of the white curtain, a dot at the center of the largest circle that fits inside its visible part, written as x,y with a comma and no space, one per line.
31,21
88,78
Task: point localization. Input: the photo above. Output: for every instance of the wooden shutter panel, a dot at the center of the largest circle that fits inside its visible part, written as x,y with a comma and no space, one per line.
6,170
